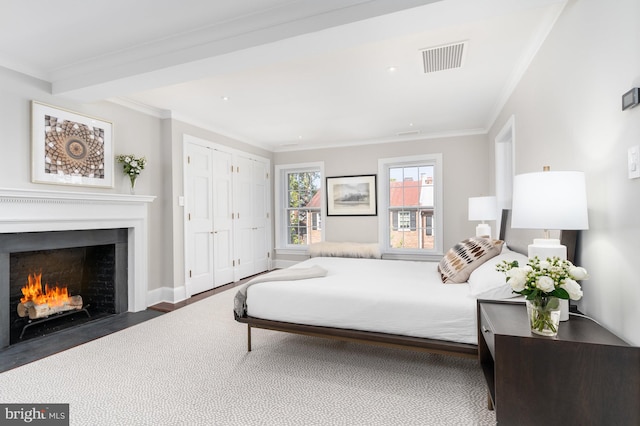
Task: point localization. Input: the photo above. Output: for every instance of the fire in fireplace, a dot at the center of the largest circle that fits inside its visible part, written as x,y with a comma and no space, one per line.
41,302
44,304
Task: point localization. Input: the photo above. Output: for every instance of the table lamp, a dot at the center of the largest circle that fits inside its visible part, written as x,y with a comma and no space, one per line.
550,200
483,208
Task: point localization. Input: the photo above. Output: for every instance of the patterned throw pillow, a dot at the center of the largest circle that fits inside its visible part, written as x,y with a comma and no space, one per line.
467,255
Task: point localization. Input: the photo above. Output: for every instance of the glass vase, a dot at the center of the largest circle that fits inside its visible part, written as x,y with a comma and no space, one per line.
132,188
544,315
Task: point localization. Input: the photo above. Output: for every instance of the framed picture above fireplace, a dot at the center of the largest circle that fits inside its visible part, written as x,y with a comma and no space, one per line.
69,148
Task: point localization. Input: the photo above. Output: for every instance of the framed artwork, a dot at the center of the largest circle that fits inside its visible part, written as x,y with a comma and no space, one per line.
70,148
351,196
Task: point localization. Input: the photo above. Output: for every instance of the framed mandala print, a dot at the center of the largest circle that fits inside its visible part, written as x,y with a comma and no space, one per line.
70,148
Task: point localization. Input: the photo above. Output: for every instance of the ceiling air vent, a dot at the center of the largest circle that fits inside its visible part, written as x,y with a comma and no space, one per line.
409,133
443,57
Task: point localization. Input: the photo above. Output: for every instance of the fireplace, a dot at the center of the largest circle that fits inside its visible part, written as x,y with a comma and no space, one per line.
86,271
109,230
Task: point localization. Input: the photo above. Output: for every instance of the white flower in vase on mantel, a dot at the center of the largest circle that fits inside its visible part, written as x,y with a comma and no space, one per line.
132,166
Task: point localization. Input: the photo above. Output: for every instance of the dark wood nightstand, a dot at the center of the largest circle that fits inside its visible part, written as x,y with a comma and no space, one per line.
583,376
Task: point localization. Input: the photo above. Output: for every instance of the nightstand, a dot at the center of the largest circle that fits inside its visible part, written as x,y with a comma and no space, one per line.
583,376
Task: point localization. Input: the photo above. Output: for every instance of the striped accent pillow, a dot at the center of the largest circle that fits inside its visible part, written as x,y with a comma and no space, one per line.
467,255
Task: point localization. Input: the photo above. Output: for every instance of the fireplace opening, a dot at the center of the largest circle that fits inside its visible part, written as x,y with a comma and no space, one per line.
84,274
52,289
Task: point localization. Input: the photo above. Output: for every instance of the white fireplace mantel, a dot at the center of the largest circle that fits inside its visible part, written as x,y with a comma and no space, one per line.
25,210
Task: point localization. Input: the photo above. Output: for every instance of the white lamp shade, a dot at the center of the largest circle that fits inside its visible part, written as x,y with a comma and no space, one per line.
483,208
550,200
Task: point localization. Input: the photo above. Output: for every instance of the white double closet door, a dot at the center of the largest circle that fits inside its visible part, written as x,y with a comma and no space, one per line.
227,225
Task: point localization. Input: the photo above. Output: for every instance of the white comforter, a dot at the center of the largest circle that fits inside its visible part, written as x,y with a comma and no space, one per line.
388,296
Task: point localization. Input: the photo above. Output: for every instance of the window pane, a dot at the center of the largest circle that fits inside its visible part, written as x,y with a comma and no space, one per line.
297,217
295,237
404,220
315,232
294,199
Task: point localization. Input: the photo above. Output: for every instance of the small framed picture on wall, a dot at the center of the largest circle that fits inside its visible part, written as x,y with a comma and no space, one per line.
351,196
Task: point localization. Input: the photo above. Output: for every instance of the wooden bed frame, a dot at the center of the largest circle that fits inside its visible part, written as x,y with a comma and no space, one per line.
517,240
368,337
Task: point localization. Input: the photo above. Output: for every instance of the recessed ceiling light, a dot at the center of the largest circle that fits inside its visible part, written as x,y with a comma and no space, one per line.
225,98
392,69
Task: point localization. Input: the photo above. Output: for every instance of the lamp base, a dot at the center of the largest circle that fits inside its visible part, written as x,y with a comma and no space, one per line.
483,230
547,247
550,247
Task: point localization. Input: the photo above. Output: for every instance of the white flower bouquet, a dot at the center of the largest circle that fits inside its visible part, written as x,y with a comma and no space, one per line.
543,282
132,166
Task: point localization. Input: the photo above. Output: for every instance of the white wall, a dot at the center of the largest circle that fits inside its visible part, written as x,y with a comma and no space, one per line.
568,115
466,174
133,133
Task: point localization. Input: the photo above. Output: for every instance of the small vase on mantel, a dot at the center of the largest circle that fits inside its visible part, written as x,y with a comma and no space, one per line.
132,188
544,315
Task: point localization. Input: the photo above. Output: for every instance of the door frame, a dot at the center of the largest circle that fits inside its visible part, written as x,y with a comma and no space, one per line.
505,166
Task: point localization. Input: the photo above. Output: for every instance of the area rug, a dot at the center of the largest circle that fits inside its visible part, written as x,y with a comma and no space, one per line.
191,367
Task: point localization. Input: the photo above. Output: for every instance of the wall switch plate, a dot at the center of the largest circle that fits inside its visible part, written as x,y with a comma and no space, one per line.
181,200
633,162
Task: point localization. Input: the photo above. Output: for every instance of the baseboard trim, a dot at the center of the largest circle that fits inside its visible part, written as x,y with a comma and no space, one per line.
282,264
166,294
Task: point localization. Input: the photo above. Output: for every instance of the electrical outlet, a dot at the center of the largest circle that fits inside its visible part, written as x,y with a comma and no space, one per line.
633,162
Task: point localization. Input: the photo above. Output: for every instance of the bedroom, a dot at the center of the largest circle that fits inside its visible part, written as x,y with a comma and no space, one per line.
567,115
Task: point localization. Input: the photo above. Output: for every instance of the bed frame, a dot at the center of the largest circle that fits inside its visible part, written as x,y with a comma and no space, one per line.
517,240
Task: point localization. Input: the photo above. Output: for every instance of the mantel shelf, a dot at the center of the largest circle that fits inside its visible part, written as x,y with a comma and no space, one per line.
69,196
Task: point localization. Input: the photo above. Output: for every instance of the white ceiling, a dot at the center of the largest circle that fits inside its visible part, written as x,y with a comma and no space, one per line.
296,73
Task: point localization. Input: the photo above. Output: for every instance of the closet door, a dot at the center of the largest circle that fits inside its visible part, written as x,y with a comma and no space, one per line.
199,219
222,218
260,216
251,221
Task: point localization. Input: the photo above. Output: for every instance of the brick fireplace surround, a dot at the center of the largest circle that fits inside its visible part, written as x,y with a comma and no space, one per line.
39,211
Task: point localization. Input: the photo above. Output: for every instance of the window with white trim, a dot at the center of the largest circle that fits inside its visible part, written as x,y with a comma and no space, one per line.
404,221
410,197
300,198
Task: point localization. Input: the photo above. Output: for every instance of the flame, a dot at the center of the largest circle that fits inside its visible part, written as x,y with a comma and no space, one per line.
32,291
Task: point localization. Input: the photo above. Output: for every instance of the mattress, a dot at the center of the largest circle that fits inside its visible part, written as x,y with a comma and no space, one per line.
388,296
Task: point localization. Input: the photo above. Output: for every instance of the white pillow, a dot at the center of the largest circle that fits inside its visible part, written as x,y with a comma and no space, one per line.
487,283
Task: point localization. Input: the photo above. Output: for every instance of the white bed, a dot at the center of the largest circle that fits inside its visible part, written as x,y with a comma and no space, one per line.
387,296
385,302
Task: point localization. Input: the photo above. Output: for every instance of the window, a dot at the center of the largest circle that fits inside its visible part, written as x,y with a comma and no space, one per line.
410,201
404,221
299,220
429,225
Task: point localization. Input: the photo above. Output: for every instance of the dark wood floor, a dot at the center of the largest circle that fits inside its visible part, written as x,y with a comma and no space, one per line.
34,349
168,307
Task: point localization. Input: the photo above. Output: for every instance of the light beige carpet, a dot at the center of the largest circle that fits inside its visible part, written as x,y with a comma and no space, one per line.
191,367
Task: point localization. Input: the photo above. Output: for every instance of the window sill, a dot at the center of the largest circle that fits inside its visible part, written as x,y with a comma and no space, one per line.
423,257
293,251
